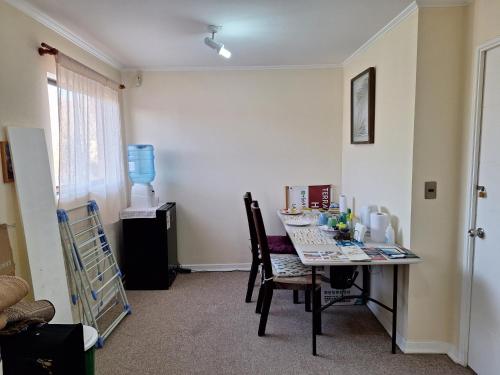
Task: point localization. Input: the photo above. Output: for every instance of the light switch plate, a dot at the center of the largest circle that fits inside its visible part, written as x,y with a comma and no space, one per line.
430,189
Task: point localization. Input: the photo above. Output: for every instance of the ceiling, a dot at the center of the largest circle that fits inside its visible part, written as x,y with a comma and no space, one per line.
164,34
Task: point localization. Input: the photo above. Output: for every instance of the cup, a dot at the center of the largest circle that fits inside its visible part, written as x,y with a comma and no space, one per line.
331,222
323,219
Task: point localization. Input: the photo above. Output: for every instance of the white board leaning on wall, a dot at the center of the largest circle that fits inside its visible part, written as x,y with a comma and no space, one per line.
37,206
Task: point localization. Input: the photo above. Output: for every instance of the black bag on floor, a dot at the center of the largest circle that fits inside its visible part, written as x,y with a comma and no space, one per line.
343,277
52,349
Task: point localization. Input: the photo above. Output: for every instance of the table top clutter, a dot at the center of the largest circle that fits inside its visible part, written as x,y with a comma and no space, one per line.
317,247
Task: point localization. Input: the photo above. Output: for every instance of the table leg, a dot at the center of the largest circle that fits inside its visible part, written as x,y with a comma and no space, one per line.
394,307
314,310
295,297
366,284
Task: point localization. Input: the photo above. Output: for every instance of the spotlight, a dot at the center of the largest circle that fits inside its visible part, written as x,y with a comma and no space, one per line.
218,46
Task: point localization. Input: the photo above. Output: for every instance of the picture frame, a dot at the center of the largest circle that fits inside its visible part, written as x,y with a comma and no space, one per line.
363,107
7,169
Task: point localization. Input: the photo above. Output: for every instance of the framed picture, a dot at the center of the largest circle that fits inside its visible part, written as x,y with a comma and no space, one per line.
363,107
7,170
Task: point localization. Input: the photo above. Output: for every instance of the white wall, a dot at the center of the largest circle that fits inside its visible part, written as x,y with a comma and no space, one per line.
381,173
420,93
218,134
436,157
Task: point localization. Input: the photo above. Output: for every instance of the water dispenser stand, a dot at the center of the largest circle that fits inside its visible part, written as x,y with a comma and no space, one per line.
143,196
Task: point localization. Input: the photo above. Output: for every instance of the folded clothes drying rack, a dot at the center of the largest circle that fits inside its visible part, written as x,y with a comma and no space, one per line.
95,278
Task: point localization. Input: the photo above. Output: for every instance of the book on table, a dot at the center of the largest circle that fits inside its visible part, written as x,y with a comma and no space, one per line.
395,252
354,253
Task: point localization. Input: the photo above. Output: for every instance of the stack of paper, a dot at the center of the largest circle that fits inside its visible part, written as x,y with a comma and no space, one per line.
324,256
354,253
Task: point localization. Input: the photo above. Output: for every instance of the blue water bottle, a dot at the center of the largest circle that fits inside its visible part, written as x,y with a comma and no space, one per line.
141,167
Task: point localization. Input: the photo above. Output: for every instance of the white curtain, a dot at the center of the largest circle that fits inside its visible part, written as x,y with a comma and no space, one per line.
91,164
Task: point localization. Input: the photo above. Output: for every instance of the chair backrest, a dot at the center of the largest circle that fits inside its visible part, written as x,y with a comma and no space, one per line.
254,244
262,238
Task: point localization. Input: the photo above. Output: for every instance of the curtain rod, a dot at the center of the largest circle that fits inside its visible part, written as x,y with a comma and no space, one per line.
45,49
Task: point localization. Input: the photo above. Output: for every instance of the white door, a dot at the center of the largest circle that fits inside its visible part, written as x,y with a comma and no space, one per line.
484,339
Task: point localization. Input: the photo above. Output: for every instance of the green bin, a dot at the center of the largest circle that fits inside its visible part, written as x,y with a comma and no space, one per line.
90,337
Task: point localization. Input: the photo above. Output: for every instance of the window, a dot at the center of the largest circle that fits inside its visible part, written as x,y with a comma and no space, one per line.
88,152
54,126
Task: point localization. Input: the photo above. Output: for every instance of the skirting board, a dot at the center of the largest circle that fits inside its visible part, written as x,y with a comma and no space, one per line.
218,267
417,347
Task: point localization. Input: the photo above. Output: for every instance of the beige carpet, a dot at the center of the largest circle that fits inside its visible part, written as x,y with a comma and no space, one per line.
202,325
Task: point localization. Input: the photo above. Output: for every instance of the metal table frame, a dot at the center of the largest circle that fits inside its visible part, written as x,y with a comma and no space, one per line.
365,296
365,289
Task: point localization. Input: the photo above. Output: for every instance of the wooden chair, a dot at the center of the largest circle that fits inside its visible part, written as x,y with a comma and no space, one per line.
278,245
271,282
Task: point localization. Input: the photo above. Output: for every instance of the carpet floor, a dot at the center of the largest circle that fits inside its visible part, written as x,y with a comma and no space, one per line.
202,325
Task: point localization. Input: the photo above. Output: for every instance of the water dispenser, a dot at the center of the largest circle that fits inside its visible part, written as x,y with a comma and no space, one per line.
141,171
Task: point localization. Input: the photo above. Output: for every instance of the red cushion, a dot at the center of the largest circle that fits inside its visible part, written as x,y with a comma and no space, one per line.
280,245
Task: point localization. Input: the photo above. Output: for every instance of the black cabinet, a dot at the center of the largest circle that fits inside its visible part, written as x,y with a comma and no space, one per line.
150,250
48,349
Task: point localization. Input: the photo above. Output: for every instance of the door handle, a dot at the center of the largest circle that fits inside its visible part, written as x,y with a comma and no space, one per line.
479,232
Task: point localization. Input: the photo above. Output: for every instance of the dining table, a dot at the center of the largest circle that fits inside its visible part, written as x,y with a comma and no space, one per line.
317,248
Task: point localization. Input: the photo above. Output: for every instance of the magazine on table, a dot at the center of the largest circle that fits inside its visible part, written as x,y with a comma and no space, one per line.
388,252
324,256
395,252
374,253
354,253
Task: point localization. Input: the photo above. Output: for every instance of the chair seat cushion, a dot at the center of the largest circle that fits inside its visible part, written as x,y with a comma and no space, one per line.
286,265
296,283
280,245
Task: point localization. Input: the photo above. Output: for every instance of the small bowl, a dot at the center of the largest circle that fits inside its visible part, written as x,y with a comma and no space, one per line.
329,230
